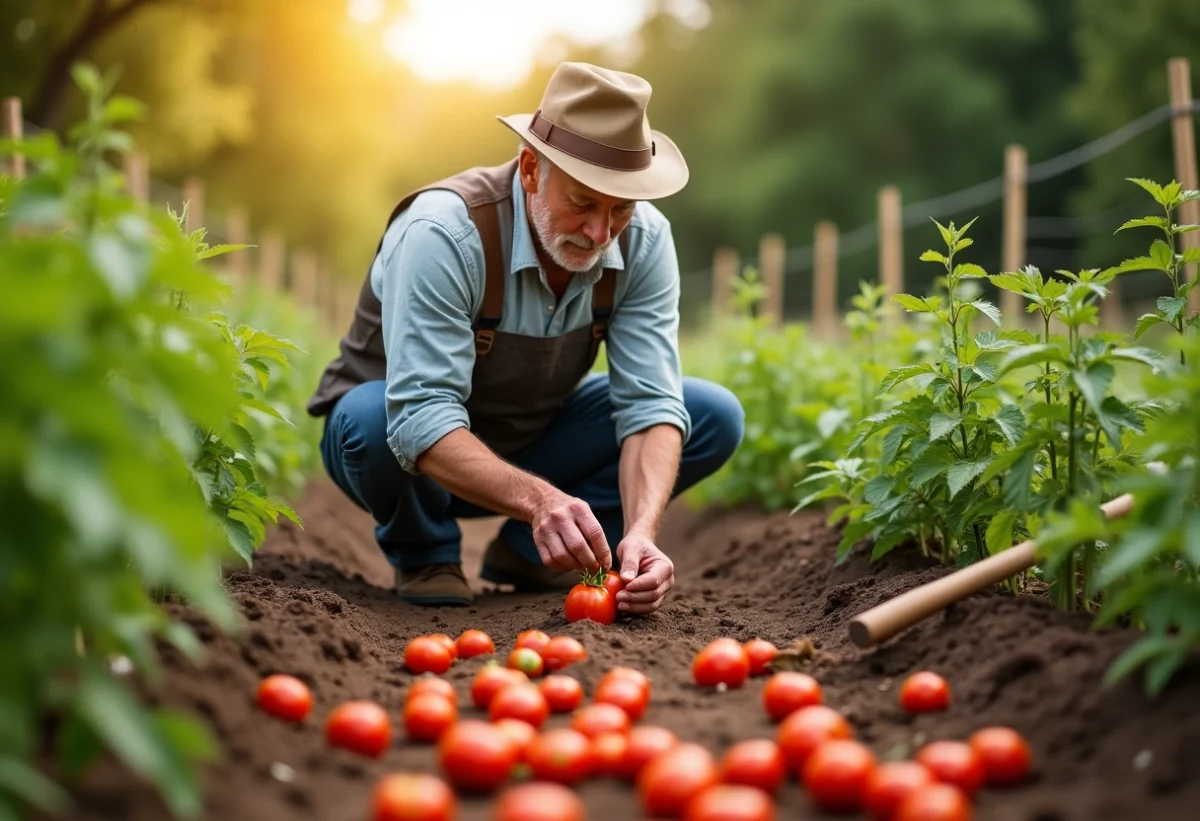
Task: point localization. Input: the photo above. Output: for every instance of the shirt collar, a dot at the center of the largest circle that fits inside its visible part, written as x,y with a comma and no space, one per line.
524,253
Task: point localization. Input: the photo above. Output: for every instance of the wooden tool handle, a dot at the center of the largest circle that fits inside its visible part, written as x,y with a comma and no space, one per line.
886,620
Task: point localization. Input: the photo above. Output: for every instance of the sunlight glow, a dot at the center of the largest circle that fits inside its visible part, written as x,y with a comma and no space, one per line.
497,45
365,11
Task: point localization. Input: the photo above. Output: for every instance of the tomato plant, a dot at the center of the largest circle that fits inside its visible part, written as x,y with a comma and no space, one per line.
626,694
729,802
669,781
535,640
489,681
361,727
1003,754
609,754
591,600
413,797
561,755
788,691
890,783
808,728
754,763
476,756
538,801
954,762
428,715
836,774
924,692
474,643
646,742
596,719
562,651
760,653
935,802
520,701
285,697
425,654
723,661
432,684
563,693
527,661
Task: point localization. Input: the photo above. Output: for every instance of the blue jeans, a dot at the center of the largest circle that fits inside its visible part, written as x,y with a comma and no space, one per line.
416,517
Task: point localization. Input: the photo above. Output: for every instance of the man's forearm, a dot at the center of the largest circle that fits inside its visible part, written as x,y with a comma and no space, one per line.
466,467
648,470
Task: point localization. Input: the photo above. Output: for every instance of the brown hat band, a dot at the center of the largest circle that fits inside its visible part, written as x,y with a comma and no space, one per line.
605,156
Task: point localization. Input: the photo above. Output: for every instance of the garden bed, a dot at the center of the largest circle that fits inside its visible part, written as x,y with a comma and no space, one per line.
319,605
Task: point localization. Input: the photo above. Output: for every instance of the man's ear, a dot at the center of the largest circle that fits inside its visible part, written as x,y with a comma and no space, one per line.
527,168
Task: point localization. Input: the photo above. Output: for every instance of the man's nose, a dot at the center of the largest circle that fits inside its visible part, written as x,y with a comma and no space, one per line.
598,229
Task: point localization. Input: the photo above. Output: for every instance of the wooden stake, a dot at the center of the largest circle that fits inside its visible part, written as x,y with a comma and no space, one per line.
825,257
303,280
725,270
772,254
891,243
237,232
1183,134
270,263
193,200
14,128
1016,166
137,177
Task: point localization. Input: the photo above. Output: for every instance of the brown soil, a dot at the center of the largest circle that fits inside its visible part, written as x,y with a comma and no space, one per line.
319,605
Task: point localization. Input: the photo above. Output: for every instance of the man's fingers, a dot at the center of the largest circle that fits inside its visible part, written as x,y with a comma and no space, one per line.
577,546
652,578
594,533
646,596
631,562
652,602
560,557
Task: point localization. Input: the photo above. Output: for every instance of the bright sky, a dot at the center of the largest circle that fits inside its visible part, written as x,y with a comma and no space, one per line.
496,43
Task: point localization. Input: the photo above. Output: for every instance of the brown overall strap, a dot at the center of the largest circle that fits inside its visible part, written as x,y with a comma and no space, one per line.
603,291
487,222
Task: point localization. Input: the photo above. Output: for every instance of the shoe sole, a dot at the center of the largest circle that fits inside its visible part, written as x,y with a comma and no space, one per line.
427,601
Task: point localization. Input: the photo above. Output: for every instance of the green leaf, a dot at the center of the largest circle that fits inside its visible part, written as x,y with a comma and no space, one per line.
898,375
1171,306
1093,383
1160,252
947,237
1146,322
78,746
263,407
961,473
1191,255
999,531
1132,551
1140,653
942,423
933,256
1145,222
912,303
988,309
1135,264
969,270
1152,187
878,490
1147,356
1018,484
891,444
19,779
933,463
1032,355
219,250
240,539
1011,422
1159,671
831,421
123,109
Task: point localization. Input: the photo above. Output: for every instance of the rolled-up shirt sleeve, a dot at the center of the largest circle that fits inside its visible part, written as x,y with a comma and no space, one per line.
645,375
426,296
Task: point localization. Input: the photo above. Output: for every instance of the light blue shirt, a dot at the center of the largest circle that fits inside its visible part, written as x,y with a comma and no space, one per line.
429,279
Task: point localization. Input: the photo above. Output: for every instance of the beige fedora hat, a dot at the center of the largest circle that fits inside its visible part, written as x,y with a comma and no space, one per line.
592,124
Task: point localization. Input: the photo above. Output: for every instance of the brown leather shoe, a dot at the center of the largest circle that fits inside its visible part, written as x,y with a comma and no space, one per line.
504,565
434,584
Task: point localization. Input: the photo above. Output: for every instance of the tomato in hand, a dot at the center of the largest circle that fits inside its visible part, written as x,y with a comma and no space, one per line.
413,797
590,600
935,802
808,728
527,661
596,719
562,693
521,732
477,756
924,692
432,684
954,762
520,701
609,751
671,780
361,727
1003,754
730,802
425,654
647,742
475,643
285,697
535,640
562,651
761,653
447,642
490,680
755,763
428,715
890,784
836,774
538,801
561,755
626,694
723,661
786,692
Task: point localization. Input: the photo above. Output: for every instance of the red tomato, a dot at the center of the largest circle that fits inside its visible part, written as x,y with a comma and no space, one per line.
535,640
730,802
629,673
806,729
562,693
520,701
786,692
723,661
561,651
836,774
1003,754
527,661
890,784
609,752
476,756
935,802
428,715
953,762
626,694
592,602
924,692
647,742
413,797
285,697
426,654
538,801
361,727
761,653
475,643
613,583
561,755
521,732
432,684
756,763
490,680
447,642
671,780
596,719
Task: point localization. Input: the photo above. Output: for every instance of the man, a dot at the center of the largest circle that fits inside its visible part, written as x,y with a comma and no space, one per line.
463,389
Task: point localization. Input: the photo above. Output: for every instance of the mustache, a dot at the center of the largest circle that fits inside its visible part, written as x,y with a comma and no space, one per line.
582,241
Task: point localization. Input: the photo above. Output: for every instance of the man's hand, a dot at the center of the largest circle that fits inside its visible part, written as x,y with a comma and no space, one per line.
647,573
568,536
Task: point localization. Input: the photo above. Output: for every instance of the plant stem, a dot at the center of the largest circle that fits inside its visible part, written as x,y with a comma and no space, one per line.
1049,401
1173,274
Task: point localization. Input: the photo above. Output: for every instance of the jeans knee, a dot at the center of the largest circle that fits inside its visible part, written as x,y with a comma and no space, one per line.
718,419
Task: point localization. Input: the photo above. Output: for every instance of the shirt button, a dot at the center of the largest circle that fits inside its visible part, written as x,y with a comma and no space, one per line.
550,308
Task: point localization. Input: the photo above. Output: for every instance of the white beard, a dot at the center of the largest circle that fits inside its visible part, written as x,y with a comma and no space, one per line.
558,245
